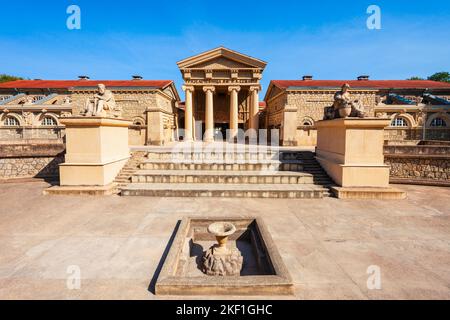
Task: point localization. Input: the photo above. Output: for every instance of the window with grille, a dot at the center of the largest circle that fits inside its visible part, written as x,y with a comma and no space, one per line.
11,122
438,122
399,122
49,121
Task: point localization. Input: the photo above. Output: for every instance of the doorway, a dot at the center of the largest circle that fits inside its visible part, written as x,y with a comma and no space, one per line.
220,131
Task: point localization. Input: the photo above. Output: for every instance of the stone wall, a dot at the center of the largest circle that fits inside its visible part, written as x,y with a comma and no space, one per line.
137,135
152,109
427,164
30,158
31,132
398,134
295,112
133,103
311,104
275,111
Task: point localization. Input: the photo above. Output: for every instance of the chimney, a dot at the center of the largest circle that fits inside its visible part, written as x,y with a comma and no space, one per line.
83,78
307,78
363,78
136,77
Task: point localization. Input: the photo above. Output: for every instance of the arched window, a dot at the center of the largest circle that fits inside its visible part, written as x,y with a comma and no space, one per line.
438,122
307,122
11,122
49,122
399,122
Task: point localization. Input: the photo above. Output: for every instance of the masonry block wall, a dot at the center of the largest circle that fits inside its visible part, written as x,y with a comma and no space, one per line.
29,159
150,109
419,164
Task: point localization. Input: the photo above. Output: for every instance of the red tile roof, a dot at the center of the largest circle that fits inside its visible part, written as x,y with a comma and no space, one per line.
375,84
62,84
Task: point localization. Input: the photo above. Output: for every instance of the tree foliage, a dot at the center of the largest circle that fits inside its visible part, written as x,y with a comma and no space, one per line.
415,78
6,78
440,76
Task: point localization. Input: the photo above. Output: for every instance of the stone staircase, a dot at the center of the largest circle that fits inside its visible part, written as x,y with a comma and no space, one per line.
262,174
124,177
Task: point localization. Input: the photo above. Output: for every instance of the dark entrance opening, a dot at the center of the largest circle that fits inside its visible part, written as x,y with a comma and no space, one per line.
220,131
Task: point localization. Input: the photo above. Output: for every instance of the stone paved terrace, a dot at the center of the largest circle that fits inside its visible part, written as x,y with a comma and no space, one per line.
327,244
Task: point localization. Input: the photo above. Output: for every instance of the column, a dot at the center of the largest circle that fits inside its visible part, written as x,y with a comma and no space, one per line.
234,106
254,109
188,112
209,113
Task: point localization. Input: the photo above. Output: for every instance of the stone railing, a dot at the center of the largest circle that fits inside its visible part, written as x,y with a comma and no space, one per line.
31,133
30,158
400,134
427,163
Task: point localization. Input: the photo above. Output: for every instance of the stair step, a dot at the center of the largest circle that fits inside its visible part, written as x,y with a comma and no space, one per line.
220,166
213,156
235,190
214,176
231,154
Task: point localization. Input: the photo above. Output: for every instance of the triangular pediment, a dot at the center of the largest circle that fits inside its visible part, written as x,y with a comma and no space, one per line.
221,58
221,63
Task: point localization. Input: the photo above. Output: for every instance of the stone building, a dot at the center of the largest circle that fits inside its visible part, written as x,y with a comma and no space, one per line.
222,92
419,109
30,109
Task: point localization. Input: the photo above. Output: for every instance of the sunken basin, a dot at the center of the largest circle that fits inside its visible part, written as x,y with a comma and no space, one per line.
262,273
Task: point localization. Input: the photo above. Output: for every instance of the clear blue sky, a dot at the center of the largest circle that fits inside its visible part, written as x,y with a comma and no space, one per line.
328,39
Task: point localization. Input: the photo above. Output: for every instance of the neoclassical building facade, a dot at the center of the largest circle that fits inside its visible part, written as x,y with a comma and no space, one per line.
222,89
419,109
30,109
222,93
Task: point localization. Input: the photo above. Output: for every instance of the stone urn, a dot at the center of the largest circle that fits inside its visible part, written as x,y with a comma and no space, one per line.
221,260
345,112
222,230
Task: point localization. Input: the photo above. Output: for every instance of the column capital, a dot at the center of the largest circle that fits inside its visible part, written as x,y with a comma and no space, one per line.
188,88
209,88
234,88
255,88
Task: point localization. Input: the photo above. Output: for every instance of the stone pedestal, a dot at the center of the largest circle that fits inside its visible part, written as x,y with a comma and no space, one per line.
351,152
96,150
218,262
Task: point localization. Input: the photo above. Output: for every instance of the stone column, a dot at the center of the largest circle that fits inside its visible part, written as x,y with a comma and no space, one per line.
209,113
254,109
234,106
188,114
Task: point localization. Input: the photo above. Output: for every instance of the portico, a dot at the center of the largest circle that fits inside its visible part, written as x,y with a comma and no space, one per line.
222,94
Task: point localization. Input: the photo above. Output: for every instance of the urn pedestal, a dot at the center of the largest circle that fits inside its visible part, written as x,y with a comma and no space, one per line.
351,152
96,150
220,260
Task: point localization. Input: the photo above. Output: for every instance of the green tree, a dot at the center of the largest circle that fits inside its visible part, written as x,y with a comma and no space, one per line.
415,78
440,76
6,78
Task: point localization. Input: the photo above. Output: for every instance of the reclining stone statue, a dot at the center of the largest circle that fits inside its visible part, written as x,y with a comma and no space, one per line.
103,104
344,106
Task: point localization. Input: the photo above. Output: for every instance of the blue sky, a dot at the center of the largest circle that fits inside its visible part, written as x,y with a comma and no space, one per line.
328,39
